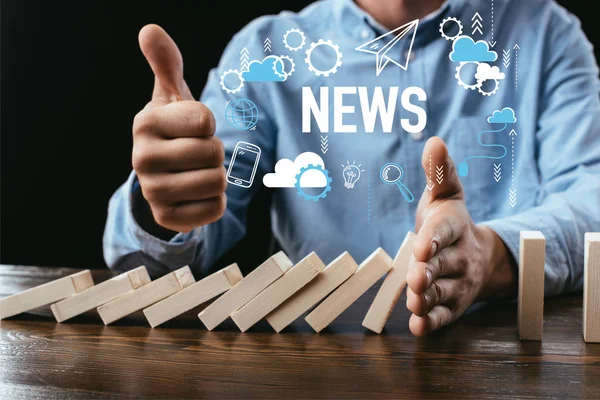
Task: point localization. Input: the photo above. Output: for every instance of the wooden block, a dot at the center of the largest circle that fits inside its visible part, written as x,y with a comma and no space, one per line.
532,257
100,294
254,283
330,278
146,295
367,274
591,288
193,295
47,293
391,288
275,294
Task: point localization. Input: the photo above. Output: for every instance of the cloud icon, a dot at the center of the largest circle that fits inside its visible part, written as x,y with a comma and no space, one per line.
465,49
286,171
270,69
504,116
486,72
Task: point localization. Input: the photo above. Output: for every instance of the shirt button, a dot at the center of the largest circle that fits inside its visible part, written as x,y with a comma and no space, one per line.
364,34
417,135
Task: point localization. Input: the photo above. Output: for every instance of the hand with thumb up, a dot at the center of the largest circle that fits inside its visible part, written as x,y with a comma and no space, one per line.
178,161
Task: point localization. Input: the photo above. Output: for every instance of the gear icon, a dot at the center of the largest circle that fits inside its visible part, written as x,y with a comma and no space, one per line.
298,32
283,73
327,43
457,22
232,72
325,190
496,87
462,83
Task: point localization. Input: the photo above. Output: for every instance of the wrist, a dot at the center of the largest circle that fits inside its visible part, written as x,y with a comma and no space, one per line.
501,280
142,214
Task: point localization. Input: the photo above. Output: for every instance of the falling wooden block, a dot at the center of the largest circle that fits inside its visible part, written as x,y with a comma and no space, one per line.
193,295
100,294
532,257
47,293
254,283
275,294
367,274
391,288
591,288
146,295
330,278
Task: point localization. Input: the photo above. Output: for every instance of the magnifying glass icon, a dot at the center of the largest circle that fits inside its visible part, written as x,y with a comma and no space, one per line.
391,174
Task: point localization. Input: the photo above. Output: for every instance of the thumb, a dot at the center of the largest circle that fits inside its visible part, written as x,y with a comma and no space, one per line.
440,173
166,62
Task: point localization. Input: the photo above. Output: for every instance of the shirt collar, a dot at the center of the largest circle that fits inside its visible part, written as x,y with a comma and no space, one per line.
359,24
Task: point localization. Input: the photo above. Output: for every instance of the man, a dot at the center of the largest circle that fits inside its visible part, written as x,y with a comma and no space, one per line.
177,209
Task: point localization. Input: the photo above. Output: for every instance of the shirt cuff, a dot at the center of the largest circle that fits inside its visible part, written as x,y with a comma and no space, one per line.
509,229
180,250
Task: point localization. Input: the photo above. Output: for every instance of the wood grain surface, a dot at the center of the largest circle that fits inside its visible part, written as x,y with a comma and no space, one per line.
477,357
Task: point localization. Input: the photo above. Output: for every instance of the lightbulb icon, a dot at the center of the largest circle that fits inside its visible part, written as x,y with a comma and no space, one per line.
351,174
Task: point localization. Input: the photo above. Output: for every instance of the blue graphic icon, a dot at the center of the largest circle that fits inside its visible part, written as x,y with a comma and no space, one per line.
465,49
326,189
270,69
505,116
241,114
391,174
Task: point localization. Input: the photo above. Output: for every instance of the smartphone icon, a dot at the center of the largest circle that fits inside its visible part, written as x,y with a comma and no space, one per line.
243,165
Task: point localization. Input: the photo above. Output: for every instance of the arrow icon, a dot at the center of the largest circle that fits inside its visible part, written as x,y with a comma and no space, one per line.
506,58
492,18
244,58
492,43
516,49
512,133
439,174
497,172
477,25
267,44
324,144
512,197
430,186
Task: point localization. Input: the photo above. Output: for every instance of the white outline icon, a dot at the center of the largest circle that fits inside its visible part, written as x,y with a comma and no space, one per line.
384,52
328,43
451,19
234,72
294,48
241,148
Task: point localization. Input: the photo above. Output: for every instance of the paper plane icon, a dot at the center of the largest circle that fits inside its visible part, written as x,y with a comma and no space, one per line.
384,50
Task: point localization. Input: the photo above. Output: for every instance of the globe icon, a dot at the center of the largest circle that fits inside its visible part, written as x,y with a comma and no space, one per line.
241,114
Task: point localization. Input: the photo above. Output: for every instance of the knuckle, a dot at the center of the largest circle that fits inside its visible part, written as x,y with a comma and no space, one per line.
437,292
151,189
141,158
164,216
144,122
215,151
221,205
221,180
201,121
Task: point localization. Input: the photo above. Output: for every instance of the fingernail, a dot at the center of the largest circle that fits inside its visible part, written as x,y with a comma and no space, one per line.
433,249
426,298
429,276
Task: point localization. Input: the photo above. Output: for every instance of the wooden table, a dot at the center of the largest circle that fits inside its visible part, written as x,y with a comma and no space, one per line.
477,357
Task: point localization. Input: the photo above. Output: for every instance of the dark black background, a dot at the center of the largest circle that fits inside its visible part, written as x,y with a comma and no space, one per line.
72,78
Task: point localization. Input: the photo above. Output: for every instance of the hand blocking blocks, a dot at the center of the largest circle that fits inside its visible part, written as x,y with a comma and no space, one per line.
282,293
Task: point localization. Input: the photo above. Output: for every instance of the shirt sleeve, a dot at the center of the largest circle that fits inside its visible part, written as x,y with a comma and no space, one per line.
568,160
127,245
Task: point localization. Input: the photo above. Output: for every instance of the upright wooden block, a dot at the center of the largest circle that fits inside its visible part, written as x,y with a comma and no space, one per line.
47,293
391,288
336,273
275,294
591,288
532,257
193,295
367,274
100,294
254,283
146,295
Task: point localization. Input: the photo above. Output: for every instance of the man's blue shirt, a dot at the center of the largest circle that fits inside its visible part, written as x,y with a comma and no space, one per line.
546,177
